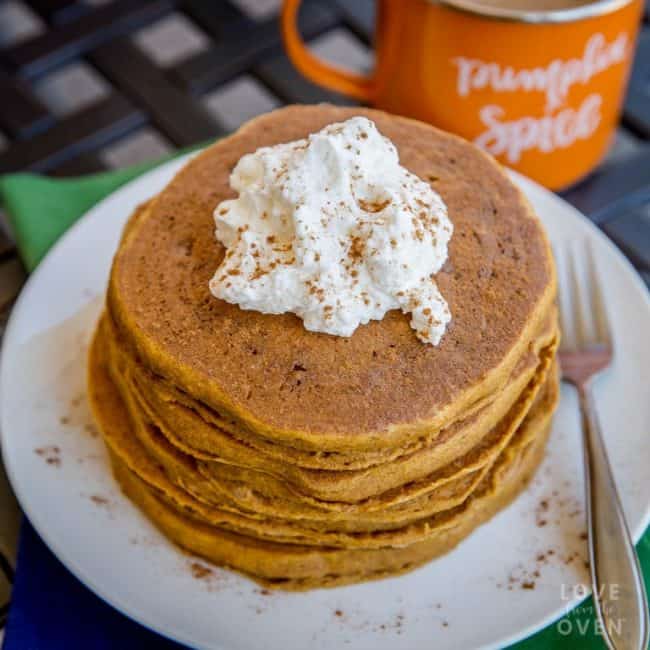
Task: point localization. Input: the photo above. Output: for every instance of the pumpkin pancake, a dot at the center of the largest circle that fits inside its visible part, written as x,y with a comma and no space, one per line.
296,567
270,476
379,388
195,429
150,468
304,459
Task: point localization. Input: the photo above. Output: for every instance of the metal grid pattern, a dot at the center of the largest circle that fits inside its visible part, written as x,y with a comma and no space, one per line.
83,76
89,85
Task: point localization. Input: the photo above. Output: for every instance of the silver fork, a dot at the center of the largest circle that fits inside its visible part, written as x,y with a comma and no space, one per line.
586,351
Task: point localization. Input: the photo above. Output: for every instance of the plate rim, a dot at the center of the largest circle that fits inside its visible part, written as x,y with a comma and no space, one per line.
171,167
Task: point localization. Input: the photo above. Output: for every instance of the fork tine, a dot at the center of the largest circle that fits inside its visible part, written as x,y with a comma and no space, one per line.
598,309
563,297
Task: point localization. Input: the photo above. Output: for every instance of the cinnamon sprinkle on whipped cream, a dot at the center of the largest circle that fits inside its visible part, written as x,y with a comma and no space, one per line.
333,229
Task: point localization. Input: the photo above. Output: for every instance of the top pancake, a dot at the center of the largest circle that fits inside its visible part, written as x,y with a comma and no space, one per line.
378,386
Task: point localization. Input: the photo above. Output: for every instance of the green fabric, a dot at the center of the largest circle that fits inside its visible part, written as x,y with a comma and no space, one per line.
41,209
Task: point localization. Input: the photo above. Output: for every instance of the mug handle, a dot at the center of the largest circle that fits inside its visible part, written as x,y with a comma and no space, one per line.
343,81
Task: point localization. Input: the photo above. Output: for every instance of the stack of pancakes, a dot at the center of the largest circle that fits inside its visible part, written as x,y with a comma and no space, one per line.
303,459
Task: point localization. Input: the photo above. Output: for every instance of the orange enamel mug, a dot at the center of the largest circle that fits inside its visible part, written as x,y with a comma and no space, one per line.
540,89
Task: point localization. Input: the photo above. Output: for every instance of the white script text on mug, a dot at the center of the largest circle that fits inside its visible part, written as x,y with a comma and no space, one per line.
560,126
554,80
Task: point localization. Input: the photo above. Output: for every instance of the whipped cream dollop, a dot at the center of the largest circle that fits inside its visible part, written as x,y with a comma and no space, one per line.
333,229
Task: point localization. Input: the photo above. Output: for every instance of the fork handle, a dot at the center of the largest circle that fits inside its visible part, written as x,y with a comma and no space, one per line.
619,593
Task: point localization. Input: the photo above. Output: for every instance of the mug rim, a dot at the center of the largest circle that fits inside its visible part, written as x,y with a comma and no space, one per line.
536,16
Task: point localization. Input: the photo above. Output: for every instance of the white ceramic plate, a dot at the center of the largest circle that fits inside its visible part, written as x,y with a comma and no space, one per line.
481,594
